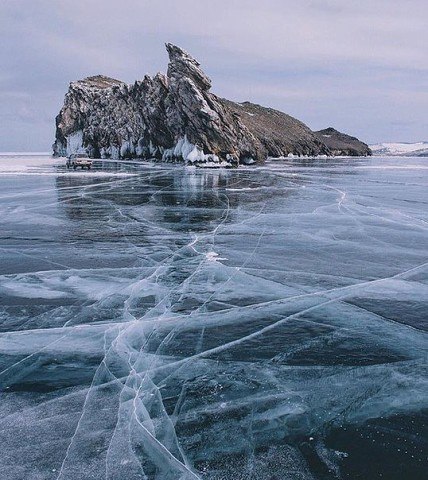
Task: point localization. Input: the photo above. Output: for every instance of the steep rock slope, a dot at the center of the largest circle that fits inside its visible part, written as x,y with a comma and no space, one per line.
279,134
175,117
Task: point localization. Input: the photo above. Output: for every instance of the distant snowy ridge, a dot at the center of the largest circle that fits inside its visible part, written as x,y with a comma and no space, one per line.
418,149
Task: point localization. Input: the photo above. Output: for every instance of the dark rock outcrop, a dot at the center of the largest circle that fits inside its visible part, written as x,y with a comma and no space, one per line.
342,144
176,117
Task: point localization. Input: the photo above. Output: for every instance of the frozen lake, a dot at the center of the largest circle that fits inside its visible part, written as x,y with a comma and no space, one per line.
162,322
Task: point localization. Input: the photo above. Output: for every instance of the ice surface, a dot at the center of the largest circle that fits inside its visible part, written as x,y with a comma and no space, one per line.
166,322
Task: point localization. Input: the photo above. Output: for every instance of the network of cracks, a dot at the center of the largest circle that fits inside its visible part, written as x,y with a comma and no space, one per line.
159,322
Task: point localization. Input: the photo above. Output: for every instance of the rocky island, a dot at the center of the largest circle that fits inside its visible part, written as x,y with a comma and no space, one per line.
175,117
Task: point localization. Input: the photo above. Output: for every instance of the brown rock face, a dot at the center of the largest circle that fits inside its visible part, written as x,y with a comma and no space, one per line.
277,133
175,117
342,144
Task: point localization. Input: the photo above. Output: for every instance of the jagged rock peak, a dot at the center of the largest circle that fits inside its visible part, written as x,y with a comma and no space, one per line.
182,64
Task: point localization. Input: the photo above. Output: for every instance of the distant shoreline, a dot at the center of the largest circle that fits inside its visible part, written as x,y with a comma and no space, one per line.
23,154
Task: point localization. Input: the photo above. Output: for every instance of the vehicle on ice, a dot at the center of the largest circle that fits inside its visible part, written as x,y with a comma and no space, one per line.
79,160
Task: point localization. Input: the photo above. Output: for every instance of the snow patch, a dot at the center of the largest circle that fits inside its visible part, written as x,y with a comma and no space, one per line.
213,257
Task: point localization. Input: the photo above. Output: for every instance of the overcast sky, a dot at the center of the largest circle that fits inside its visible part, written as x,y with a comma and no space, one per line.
359,66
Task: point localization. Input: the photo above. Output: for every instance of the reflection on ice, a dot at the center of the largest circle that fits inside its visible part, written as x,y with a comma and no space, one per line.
178,323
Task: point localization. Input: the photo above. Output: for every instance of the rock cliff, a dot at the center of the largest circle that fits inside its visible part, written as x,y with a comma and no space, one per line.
175,117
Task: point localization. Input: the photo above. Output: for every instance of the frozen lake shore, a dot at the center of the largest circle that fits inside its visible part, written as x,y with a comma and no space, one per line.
165,322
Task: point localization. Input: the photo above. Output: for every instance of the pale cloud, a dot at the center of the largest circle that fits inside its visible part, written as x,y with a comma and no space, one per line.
359,66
